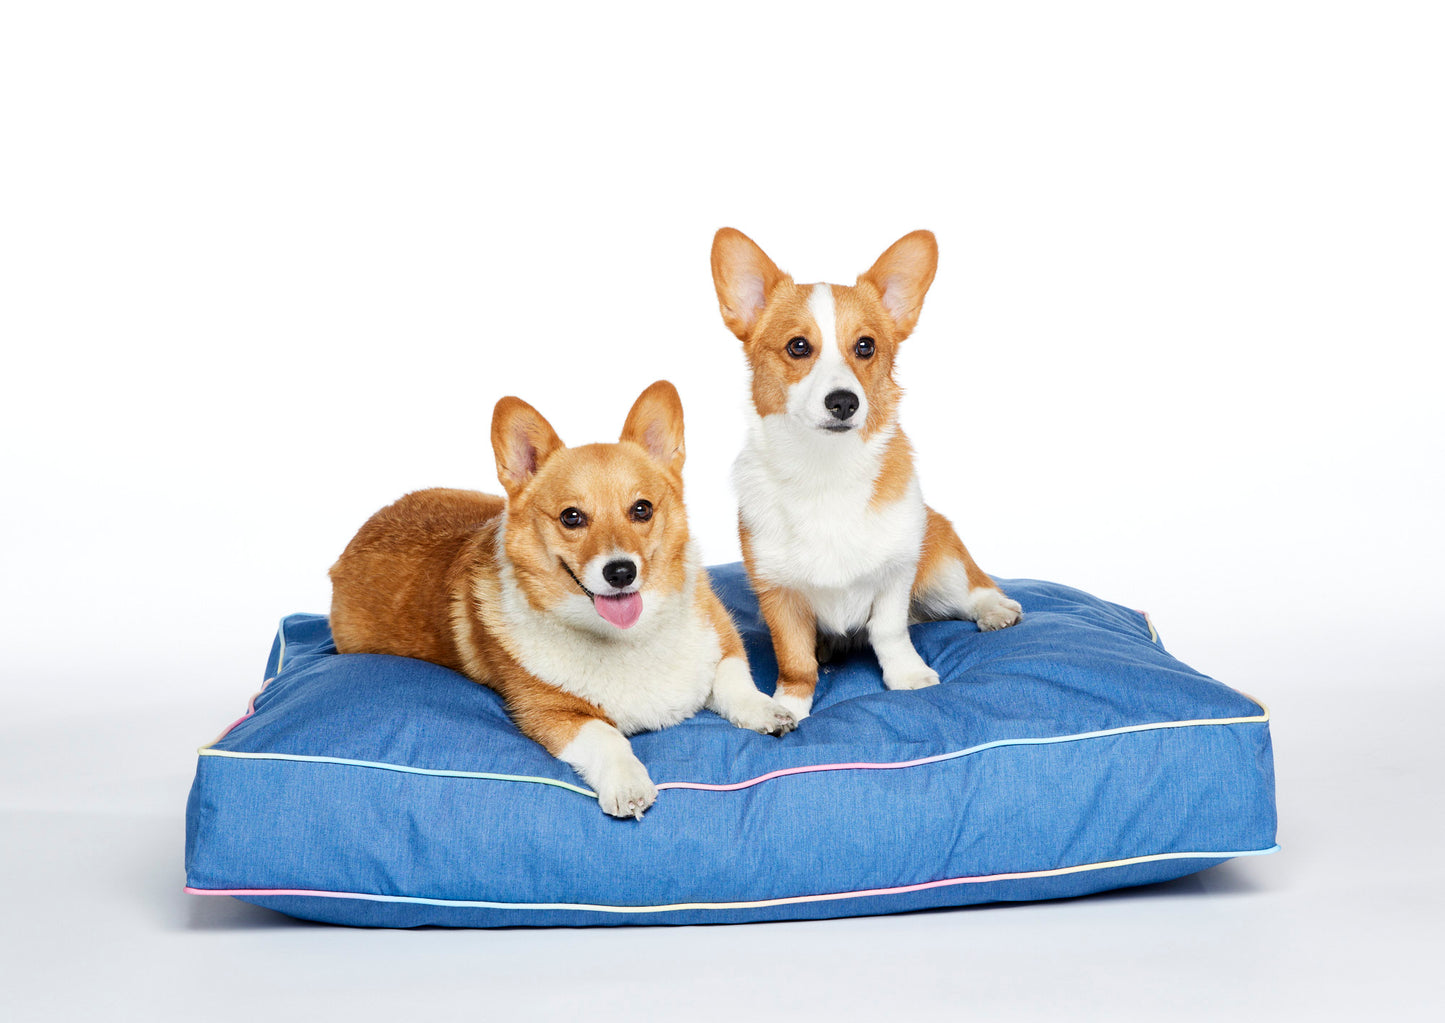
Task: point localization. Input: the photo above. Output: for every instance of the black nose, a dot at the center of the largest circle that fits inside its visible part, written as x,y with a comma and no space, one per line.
841,403
619,573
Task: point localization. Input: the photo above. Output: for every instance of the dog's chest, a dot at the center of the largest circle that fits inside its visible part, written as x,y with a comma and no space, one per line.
643,682
813,527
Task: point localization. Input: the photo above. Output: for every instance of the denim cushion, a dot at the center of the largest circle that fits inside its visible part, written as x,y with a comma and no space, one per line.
1067,755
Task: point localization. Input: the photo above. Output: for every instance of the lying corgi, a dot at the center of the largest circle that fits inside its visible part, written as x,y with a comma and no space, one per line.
835,535
579,597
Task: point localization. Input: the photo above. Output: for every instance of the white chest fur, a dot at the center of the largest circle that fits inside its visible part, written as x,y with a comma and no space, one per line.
651,676
806,500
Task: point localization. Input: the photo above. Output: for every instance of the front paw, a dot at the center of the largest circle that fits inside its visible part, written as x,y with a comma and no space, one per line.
918,676
995,611
626,789
763,714
798,706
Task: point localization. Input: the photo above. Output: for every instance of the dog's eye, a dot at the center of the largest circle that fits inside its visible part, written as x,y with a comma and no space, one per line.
572,518
641,511
799,348
864,348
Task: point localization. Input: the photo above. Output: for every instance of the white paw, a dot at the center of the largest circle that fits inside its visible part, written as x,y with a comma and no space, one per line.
992,610
797,706
625,789
763,714
918,676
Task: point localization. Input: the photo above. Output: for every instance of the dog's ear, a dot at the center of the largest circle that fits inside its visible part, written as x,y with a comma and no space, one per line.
744,277
655,423
902,276
522,440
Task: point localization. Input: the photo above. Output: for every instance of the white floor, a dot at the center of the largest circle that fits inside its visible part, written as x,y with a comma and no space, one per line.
1345,922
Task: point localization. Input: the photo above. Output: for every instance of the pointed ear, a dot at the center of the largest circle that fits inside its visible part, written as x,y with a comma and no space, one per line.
522,440
902,276
744,277
655,423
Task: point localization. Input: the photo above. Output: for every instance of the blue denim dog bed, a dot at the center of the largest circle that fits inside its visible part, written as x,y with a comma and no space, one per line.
1067,755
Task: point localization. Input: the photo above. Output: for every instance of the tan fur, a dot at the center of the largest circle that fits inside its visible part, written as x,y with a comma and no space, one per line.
940,546
907,266
792,626
422,577
722,622
394,580
893,478
773,368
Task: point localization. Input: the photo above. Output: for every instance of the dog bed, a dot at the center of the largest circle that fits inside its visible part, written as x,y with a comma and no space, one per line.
1069,754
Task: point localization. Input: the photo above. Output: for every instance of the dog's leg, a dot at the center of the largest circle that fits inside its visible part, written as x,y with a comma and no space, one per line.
581,735
794,630
736,698
734,695
949,583
888,632
604,758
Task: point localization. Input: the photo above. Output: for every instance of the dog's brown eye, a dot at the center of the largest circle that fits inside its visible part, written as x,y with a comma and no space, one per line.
573,518
799,348
864,348
641,511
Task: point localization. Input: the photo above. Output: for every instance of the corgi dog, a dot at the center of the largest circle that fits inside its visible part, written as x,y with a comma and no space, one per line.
838,544
579,597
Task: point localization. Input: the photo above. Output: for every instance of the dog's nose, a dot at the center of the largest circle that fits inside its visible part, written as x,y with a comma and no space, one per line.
841,403
619,573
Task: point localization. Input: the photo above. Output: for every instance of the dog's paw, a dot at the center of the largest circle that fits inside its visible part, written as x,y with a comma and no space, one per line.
919,676
763,714
992,610
798,706
626,789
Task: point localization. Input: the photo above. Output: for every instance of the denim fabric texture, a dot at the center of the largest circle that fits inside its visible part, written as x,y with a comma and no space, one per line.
357,776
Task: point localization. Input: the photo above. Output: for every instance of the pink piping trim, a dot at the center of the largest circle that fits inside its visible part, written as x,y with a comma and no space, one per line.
250,709
809,769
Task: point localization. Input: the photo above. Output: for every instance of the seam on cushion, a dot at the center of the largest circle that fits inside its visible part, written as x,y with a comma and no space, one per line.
757,904
207,751
281,654
250,709
942,757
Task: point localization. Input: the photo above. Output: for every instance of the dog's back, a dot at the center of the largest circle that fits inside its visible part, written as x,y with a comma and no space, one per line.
392,586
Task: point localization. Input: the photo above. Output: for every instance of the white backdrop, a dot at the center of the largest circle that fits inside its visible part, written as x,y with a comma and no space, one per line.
266,267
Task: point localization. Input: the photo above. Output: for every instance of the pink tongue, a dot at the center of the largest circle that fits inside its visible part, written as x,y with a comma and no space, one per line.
622,610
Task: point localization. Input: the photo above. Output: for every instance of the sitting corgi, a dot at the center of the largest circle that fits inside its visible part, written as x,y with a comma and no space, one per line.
835,535
579,597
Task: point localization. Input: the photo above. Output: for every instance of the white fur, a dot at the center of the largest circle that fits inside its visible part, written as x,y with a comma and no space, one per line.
830,372
736,698
888,632
663,670
592,578
795,705
604,759
805,497
650,676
